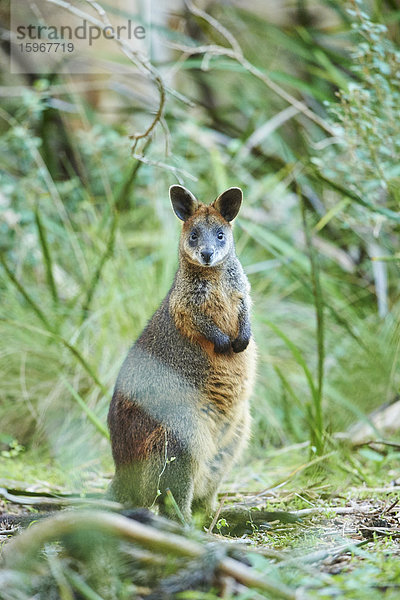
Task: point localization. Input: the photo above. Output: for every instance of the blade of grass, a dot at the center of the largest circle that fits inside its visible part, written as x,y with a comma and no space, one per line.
330,214
258,234
315,430
46,255
291,423
97,274
25,294
49,333
294,350
175,506
80,585
90,414
382,210
319,311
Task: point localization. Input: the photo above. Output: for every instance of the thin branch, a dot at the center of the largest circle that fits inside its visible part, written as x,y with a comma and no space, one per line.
378,442
236,53
138,59
175,170
320,555
215,518
339,510
230,38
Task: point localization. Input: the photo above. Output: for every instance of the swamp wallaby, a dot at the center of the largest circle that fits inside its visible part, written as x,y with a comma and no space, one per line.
179,416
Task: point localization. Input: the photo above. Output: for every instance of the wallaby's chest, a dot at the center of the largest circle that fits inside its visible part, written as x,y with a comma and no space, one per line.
217,299
222,306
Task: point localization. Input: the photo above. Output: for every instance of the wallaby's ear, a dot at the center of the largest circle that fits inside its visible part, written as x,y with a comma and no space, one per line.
183,202
228,203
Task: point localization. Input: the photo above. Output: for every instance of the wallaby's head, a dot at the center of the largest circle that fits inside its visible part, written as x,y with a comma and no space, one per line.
206,238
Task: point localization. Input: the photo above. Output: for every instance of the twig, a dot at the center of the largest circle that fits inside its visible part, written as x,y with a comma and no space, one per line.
339,510
17,551
235,52
387,510
382,530
176,171
54,501
378,490
9,531
215,519
382,442
137,59
322,554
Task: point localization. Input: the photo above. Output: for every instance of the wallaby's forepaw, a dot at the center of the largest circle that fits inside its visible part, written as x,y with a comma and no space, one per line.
240,343
222,344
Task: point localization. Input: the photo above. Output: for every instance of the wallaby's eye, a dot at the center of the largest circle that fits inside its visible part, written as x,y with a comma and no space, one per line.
193,236
220,235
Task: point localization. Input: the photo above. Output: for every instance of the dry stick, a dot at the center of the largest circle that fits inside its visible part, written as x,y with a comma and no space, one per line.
134,58
319,555
377,490
236,53
30,542
378,442
215,519
9,531
387,510
175,170
140,62
339,510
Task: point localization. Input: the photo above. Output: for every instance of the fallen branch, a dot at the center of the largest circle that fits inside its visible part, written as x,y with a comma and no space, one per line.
30,542
338,510
378,443
319,555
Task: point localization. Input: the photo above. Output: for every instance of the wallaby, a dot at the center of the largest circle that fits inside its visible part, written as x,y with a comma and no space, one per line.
179,415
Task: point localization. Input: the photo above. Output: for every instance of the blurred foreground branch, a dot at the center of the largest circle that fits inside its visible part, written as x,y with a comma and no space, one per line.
151,536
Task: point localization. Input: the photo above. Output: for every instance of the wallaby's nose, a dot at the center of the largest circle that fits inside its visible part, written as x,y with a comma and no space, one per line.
206,255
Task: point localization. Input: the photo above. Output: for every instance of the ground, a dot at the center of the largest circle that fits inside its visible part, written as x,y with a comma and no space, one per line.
344,543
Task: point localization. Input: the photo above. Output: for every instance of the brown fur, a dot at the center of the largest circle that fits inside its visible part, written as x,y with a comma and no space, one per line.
179,417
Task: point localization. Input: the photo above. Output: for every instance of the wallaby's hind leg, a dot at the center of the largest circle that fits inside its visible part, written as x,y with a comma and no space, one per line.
135,485
207,504
145,483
